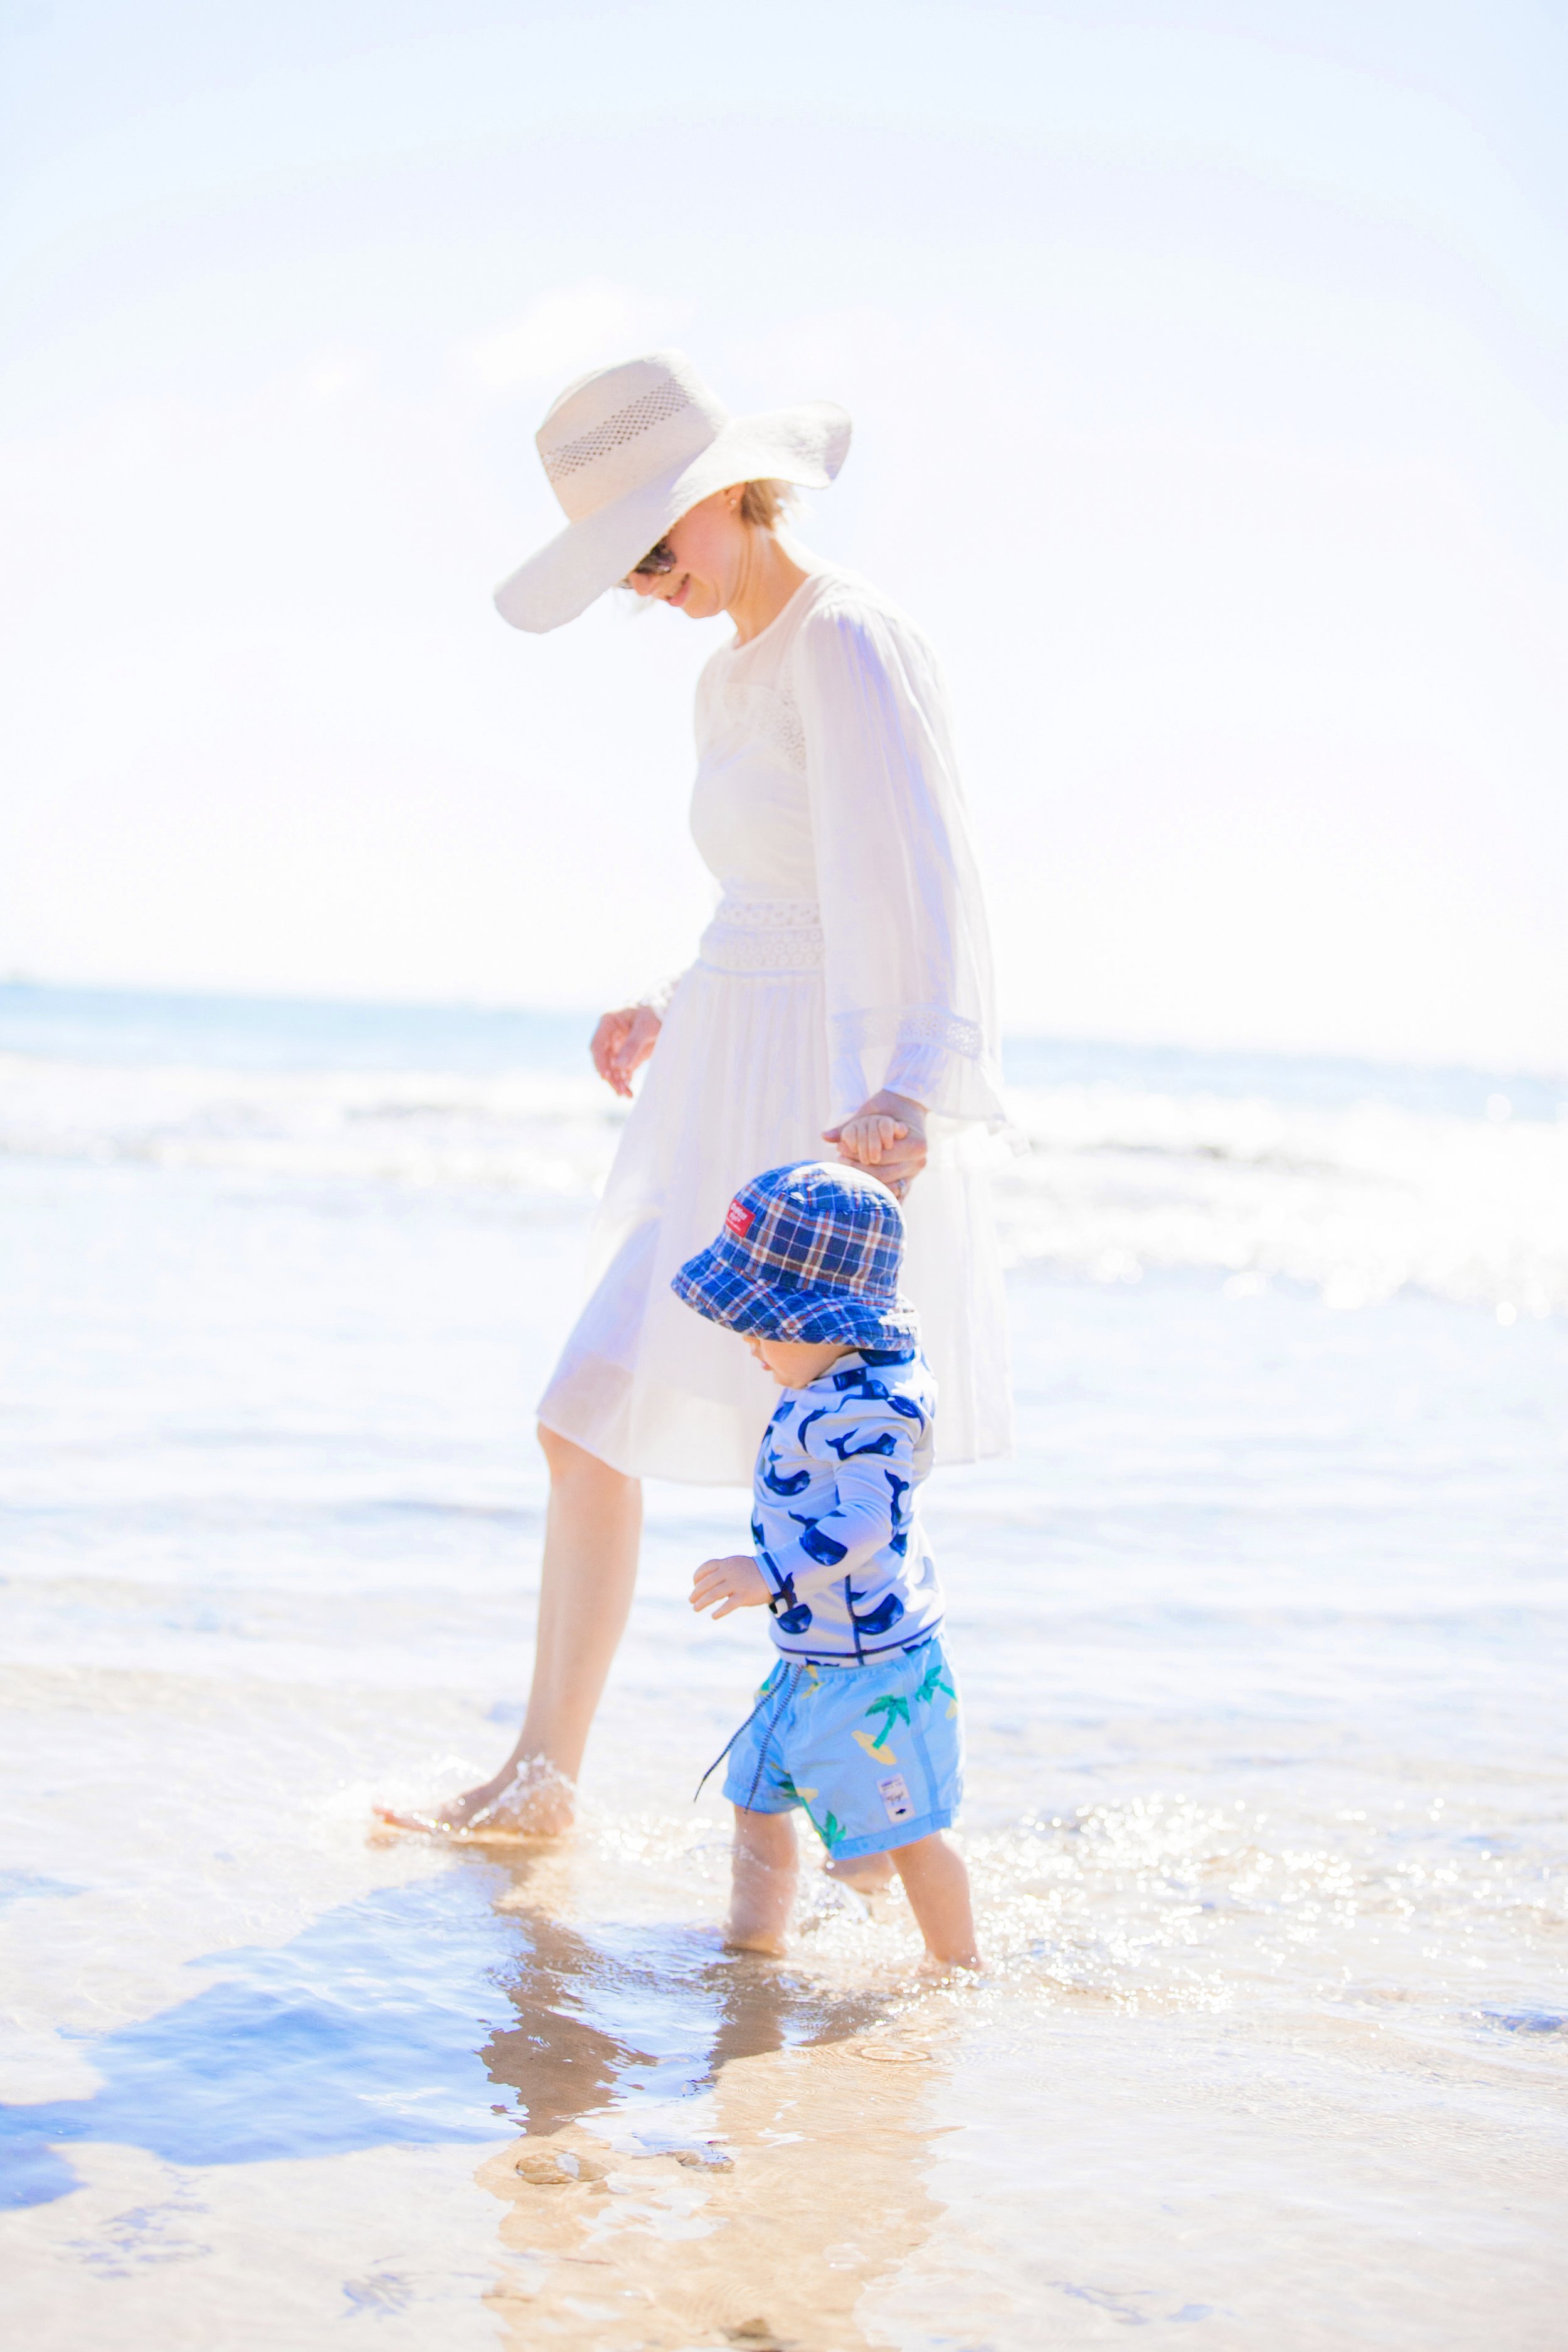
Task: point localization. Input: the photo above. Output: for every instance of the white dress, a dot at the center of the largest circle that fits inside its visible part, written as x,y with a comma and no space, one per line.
848,952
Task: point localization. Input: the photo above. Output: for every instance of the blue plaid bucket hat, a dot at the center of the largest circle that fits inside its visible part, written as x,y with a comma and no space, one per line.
809,1252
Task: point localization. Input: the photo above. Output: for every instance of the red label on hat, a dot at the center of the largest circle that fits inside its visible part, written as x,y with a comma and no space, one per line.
740,1219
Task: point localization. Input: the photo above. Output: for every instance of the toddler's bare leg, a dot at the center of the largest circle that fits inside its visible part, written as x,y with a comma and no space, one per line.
867,1874
767,1864
937,1884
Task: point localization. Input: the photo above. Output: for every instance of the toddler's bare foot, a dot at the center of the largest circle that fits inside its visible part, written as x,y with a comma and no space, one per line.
529,1799
755,1940
867,1874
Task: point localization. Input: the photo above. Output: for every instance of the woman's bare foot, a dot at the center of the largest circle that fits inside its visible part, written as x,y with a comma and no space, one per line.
530,1799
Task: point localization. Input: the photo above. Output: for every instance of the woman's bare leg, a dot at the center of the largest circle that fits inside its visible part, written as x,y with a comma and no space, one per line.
764,1867
592,1531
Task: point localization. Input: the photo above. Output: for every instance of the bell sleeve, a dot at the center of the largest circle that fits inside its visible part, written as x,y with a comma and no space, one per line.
659,995
910,996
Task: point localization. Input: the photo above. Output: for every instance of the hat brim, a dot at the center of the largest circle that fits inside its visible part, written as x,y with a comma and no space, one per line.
712,1284
807,444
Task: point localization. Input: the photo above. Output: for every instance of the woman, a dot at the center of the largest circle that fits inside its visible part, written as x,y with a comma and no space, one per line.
842,991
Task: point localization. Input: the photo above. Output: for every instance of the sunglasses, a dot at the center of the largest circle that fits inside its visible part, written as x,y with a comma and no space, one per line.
658,559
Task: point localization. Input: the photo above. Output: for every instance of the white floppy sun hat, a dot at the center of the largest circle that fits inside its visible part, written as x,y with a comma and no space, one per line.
629,451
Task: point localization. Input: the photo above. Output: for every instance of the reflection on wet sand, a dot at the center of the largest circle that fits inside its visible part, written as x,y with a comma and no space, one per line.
663,2016
797,2183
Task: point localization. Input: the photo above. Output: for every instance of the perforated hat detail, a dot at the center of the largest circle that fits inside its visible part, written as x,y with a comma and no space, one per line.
626,424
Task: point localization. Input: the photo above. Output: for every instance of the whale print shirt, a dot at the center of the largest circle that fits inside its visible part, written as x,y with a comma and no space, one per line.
835,1519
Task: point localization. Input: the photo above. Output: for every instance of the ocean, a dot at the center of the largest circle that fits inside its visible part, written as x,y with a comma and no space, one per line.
1263,1631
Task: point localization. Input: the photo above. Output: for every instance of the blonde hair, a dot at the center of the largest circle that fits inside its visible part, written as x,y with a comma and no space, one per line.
765,504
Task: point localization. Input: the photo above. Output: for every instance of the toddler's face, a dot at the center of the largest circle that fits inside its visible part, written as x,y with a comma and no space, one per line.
795,1363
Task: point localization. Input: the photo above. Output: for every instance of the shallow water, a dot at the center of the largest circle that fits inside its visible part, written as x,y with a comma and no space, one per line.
1263,1636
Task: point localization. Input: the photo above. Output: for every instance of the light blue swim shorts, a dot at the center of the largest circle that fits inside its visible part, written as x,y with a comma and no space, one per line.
874,1753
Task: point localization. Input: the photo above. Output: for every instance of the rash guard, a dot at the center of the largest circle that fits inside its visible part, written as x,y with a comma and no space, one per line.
836,1520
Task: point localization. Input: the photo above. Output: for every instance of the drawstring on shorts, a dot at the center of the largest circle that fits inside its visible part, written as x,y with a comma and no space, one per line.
767,1691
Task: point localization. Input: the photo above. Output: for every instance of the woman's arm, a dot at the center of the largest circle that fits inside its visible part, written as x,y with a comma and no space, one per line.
910,1005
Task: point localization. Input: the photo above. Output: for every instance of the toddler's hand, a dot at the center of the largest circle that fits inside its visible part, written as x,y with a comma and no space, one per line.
735,1583
869,1137
886,1136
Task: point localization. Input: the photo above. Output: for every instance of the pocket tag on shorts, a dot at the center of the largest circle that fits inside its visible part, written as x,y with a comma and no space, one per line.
895,1795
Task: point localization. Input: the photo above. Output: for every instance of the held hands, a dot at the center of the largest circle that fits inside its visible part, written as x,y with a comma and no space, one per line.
886,1138
735,1583
622,1044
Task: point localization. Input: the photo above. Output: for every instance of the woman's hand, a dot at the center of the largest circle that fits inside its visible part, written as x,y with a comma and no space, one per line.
622,1044
886,1137
735,1583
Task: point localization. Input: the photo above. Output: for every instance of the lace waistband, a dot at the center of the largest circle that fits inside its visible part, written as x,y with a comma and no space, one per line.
763,935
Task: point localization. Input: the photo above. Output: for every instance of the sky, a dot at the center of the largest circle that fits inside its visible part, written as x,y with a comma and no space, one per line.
1207,365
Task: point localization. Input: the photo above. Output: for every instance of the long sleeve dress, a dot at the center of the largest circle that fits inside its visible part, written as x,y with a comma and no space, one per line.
848,952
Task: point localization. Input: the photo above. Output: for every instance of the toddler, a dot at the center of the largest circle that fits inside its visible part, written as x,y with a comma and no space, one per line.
858,1722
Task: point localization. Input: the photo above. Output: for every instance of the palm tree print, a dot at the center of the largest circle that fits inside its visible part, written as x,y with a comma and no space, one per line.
931,1682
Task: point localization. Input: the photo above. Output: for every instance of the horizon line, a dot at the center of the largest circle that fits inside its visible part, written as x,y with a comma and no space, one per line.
21,983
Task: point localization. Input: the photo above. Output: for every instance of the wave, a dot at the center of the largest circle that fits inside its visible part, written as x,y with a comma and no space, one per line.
534,1133
1359,1202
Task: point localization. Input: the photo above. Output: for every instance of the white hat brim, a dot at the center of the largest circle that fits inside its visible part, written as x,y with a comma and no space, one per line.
806,443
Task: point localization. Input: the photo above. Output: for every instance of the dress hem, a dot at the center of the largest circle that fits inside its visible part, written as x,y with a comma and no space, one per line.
603,1453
